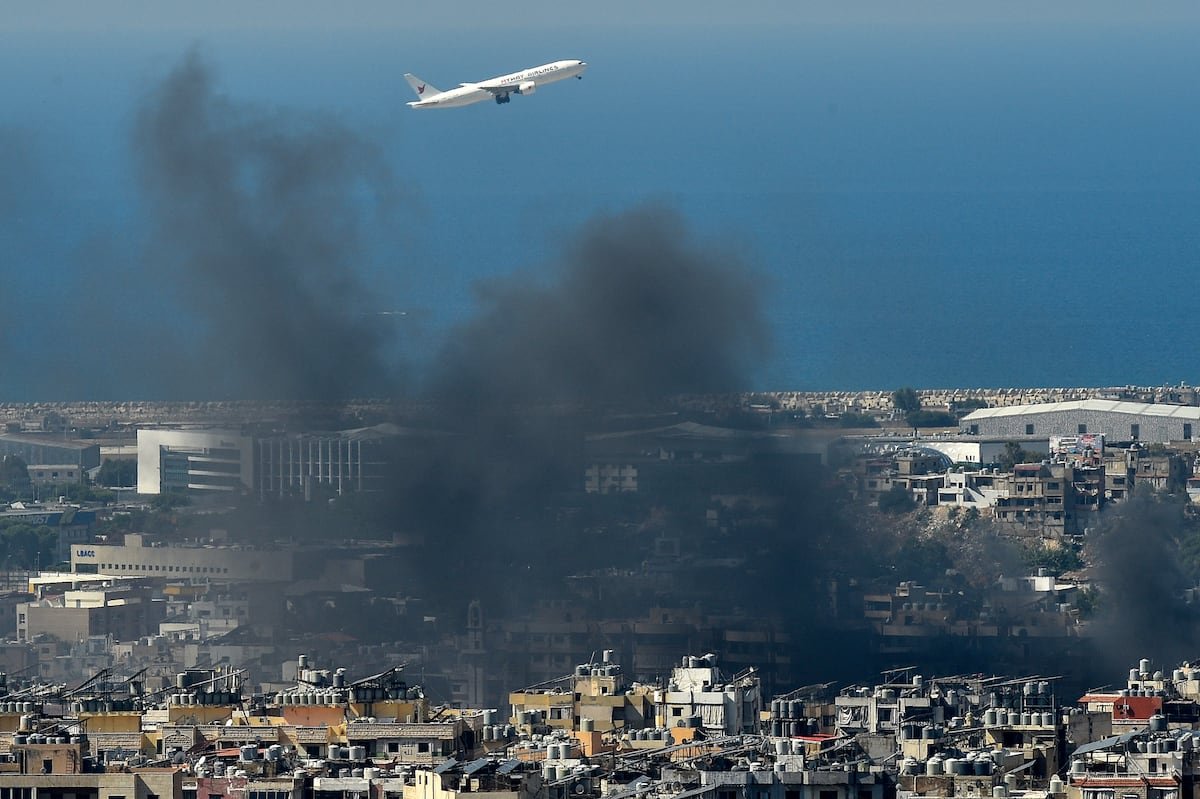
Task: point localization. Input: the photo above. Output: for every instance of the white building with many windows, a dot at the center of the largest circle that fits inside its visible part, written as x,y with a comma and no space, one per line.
137,557
195,460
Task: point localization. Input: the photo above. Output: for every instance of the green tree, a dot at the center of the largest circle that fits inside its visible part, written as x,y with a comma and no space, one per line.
906,400
14,475
1014,454
965,406
1056,560
118,473
931,419
851,419
169,500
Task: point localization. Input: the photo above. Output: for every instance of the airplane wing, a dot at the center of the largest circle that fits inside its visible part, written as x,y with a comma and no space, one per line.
495,88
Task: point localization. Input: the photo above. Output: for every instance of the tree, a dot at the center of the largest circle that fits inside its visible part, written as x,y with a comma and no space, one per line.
14,475
906,400
121,473
851,419
931,419
1013,454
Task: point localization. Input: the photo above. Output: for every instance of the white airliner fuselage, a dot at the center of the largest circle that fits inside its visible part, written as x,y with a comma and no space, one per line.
499,88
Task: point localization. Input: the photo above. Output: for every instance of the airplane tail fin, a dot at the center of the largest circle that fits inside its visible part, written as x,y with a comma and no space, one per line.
424,90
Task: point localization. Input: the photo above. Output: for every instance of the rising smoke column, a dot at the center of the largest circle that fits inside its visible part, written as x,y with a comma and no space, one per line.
259,221
1142,612
636,309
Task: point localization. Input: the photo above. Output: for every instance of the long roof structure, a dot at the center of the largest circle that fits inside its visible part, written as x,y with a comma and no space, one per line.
1191,412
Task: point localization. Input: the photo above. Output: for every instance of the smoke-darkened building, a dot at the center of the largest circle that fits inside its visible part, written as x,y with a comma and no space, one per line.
51,448
344,461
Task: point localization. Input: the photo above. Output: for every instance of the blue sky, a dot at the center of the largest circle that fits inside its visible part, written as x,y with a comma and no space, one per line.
921,184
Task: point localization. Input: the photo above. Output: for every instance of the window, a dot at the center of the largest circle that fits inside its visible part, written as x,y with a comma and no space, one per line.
1187,431
1135,431
423,746
1081,429
974,430
1028,429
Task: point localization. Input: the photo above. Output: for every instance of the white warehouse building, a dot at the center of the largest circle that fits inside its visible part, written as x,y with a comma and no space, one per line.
1116,420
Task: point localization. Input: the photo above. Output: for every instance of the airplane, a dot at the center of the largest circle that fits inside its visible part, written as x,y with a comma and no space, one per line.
501,88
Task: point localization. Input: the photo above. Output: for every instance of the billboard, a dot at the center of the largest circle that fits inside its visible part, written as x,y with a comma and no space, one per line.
1083,445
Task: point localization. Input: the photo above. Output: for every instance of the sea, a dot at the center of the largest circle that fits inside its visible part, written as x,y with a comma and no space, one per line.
934,205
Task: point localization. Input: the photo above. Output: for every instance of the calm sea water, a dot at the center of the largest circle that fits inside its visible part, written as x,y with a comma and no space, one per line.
933,206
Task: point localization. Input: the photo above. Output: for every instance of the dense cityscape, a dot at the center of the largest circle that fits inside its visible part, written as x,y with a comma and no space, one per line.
576,432
828,557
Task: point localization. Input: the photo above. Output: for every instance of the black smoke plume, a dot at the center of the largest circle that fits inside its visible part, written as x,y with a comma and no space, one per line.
260,220
1142,611
638,312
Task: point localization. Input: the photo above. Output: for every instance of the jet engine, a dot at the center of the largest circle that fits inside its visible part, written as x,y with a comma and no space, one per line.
527,87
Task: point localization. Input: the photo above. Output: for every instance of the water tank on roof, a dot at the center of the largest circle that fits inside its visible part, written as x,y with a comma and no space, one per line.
1144,665
933,766
1158,723
1057,787
248,753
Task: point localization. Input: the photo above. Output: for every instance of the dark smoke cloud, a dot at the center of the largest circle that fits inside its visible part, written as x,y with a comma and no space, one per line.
638,311
260,220
1137,554
635,310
